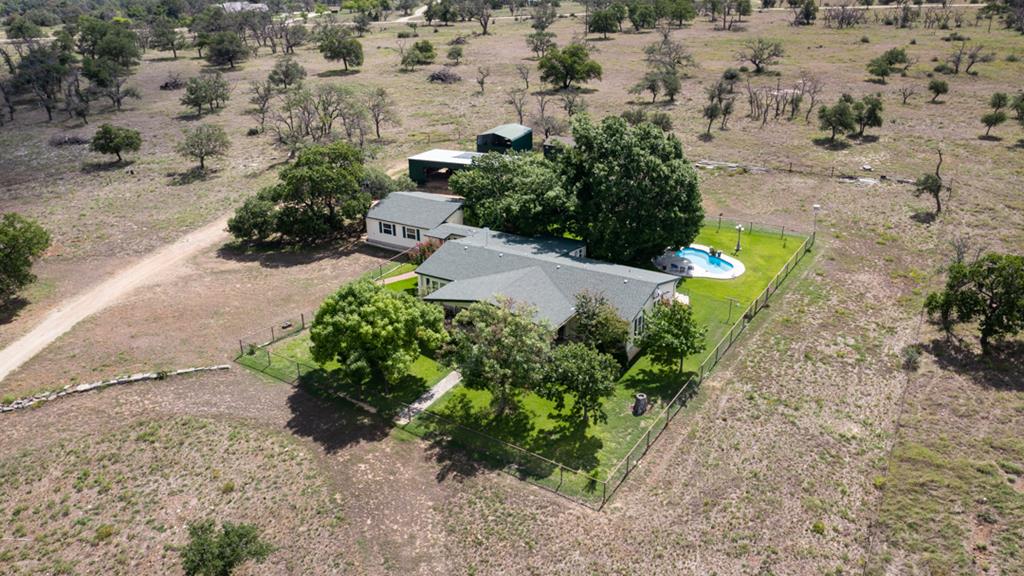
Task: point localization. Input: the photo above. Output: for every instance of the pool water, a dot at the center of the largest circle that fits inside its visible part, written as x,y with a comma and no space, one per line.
704,260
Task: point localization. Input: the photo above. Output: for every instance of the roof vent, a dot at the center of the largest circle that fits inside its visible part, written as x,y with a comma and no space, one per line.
625,280
500,254
558,266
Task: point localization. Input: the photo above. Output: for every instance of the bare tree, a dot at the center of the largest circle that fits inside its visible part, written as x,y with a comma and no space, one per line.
548,124
262,93
573,102
810,88
524,74
517,98
761,53
482,73
976,54
906,92
382,109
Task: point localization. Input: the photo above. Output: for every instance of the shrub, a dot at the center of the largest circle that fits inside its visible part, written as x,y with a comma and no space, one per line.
105,532
422,251
209,553
865,40
408,34
818,528
445,75
911,355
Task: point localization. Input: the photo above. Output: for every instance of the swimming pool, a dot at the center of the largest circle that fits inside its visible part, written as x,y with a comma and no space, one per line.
696,261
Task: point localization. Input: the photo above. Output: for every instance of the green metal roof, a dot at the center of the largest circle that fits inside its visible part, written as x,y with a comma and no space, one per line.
510,131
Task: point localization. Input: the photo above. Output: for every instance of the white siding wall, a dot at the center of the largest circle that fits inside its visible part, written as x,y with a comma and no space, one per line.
377,234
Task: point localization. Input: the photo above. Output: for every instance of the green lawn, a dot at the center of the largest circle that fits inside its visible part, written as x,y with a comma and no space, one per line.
598,448
290,360
595,450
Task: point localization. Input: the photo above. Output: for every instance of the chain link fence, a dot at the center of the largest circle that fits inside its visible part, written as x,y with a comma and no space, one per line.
442,432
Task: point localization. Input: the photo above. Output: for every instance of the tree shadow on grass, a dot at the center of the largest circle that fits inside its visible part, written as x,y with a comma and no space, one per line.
923,217
568,444
190,176
657,382
990,138
333,424
1003,369
465,440
387,398
337,73
107,166
10,310
286,255
829,144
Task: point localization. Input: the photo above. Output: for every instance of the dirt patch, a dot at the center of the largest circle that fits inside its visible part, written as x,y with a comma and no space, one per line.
195,315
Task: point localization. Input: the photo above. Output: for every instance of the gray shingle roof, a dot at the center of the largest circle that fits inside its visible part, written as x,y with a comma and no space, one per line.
524,285
539,246
418,209
486,269
446,230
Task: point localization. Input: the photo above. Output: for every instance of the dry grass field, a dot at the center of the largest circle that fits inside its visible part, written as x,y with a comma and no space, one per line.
810,451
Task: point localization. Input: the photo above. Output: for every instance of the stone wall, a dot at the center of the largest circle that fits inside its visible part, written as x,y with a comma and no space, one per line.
80,388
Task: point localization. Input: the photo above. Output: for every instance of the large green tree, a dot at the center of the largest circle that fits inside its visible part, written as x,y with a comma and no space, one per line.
322,194
585,376
375,333
116,140
517,193
337,43
563,67
988,291
636,193
838,118
204,141
22,241
500,348
225,48
598,324
671,333
213,553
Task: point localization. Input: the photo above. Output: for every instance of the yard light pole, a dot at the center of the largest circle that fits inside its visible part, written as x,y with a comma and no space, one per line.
817,208
739,235
720,221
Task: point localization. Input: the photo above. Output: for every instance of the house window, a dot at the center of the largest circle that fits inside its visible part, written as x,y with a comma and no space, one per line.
387,228
411,233
431,284
638,325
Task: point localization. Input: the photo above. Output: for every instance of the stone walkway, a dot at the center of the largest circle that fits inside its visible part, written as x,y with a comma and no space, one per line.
429,397
399,278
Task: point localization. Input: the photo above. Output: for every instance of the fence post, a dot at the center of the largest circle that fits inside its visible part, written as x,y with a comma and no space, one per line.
604,492
783,233
241,348
272,337
302,319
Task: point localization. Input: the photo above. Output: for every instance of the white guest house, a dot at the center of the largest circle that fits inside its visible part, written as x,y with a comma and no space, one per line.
402,219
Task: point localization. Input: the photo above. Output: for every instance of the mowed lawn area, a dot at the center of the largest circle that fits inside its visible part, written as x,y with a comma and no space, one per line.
596,449
290,360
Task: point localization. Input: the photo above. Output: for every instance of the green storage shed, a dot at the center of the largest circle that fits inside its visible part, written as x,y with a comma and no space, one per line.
504,138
